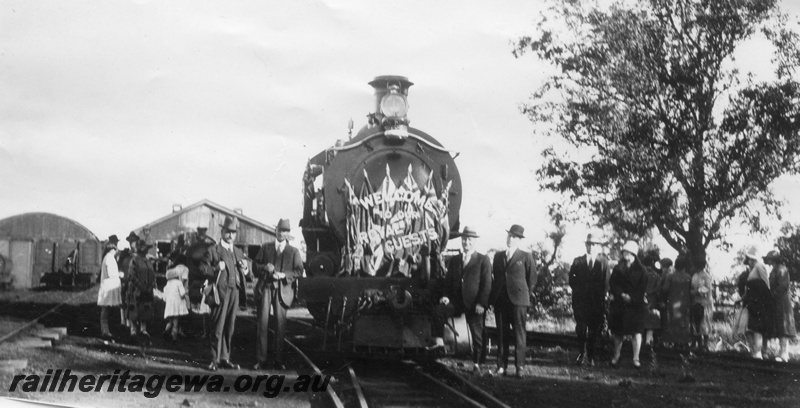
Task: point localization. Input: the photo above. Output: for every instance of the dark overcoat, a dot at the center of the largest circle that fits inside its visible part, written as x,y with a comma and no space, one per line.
289,262
627,317
468,285
589,287
513,280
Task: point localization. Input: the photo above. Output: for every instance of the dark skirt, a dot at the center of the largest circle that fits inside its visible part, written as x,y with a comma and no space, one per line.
625,318
759,307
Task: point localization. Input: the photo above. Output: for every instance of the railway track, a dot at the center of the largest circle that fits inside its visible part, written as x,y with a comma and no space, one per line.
48,313
390,382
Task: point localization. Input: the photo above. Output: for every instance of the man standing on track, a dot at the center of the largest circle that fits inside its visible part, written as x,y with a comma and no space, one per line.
588,277
466,290
277,266
514,274
229,275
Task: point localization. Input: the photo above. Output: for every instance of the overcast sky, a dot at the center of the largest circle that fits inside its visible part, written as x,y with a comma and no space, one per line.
111,112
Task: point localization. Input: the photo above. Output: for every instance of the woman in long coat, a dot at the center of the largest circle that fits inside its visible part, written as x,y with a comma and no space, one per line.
109,295
758,300
627,311
702,307
676,291
784,328
141,281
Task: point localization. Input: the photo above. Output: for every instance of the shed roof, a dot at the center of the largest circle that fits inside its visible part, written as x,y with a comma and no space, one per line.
39,225
208,203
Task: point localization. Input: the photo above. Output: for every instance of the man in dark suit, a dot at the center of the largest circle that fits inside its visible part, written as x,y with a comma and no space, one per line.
588,278
514,274
229,274
466,290
277,266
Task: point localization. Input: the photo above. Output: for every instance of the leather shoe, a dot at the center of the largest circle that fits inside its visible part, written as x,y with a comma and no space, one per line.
228,364
579,360
212,366
435,347
260,366
280,366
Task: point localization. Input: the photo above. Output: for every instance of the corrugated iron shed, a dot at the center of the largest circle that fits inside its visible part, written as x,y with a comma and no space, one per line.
43,226
205,214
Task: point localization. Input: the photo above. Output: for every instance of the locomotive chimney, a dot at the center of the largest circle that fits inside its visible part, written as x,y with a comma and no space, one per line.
391,104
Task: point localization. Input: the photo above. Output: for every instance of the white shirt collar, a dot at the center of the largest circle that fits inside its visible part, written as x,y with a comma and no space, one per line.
280,245
226,245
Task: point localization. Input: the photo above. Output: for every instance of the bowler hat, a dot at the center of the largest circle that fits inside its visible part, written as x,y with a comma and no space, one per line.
202,229
772,256
631,247
113,239
132,237
284,225
517,231
594,238
230,224
469,233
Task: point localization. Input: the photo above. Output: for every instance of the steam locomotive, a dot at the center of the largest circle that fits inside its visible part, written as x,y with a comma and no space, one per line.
378,211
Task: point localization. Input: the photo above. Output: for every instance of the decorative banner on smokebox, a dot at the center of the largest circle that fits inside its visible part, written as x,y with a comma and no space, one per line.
396,220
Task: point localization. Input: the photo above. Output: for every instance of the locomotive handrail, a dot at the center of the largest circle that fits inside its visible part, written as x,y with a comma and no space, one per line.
411,135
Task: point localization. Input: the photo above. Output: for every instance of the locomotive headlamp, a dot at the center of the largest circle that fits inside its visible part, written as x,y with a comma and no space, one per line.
394,104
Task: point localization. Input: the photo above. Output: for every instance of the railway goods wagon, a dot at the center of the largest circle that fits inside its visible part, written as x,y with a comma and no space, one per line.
378,211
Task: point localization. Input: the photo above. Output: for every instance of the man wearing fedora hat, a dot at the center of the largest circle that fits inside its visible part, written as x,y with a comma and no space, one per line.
123,262
141,278
466,290
229,274
277,266
514,277
587,279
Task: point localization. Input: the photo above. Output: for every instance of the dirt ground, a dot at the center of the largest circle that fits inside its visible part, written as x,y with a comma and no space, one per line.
549,380
83,352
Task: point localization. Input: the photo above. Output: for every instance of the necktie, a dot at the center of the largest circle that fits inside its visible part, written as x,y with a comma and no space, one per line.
466,259
591,263
508,255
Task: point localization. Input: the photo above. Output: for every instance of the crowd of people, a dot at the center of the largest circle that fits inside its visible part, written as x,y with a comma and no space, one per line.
642,299
654,301
207,278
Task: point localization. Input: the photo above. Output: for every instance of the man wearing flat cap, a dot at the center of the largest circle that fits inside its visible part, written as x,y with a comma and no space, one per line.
466,290
277,266
229,274
588,277
514,277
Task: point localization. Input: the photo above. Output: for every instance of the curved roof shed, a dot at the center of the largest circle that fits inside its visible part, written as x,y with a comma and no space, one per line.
43,226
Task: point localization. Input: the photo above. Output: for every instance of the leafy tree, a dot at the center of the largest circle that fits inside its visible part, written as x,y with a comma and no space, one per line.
679,140
789,246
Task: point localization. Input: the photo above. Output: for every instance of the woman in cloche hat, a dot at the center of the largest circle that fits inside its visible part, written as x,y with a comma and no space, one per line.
627,288
754,290
781,302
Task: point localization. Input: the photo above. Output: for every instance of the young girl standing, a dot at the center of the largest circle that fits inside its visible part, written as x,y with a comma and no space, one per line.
175,298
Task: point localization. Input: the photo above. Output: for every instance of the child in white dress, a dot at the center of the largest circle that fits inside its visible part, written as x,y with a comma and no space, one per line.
175,300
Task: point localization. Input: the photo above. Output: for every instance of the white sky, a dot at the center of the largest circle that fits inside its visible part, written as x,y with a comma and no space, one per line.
112,111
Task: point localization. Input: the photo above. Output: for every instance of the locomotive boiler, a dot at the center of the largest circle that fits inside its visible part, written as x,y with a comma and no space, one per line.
379,208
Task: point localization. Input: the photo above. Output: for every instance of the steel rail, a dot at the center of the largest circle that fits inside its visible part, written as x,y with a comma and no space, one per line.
46,313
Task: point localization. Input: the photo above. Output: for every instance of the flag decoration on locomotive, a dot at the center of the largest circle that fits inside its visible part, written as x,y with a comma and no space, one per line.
378,211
